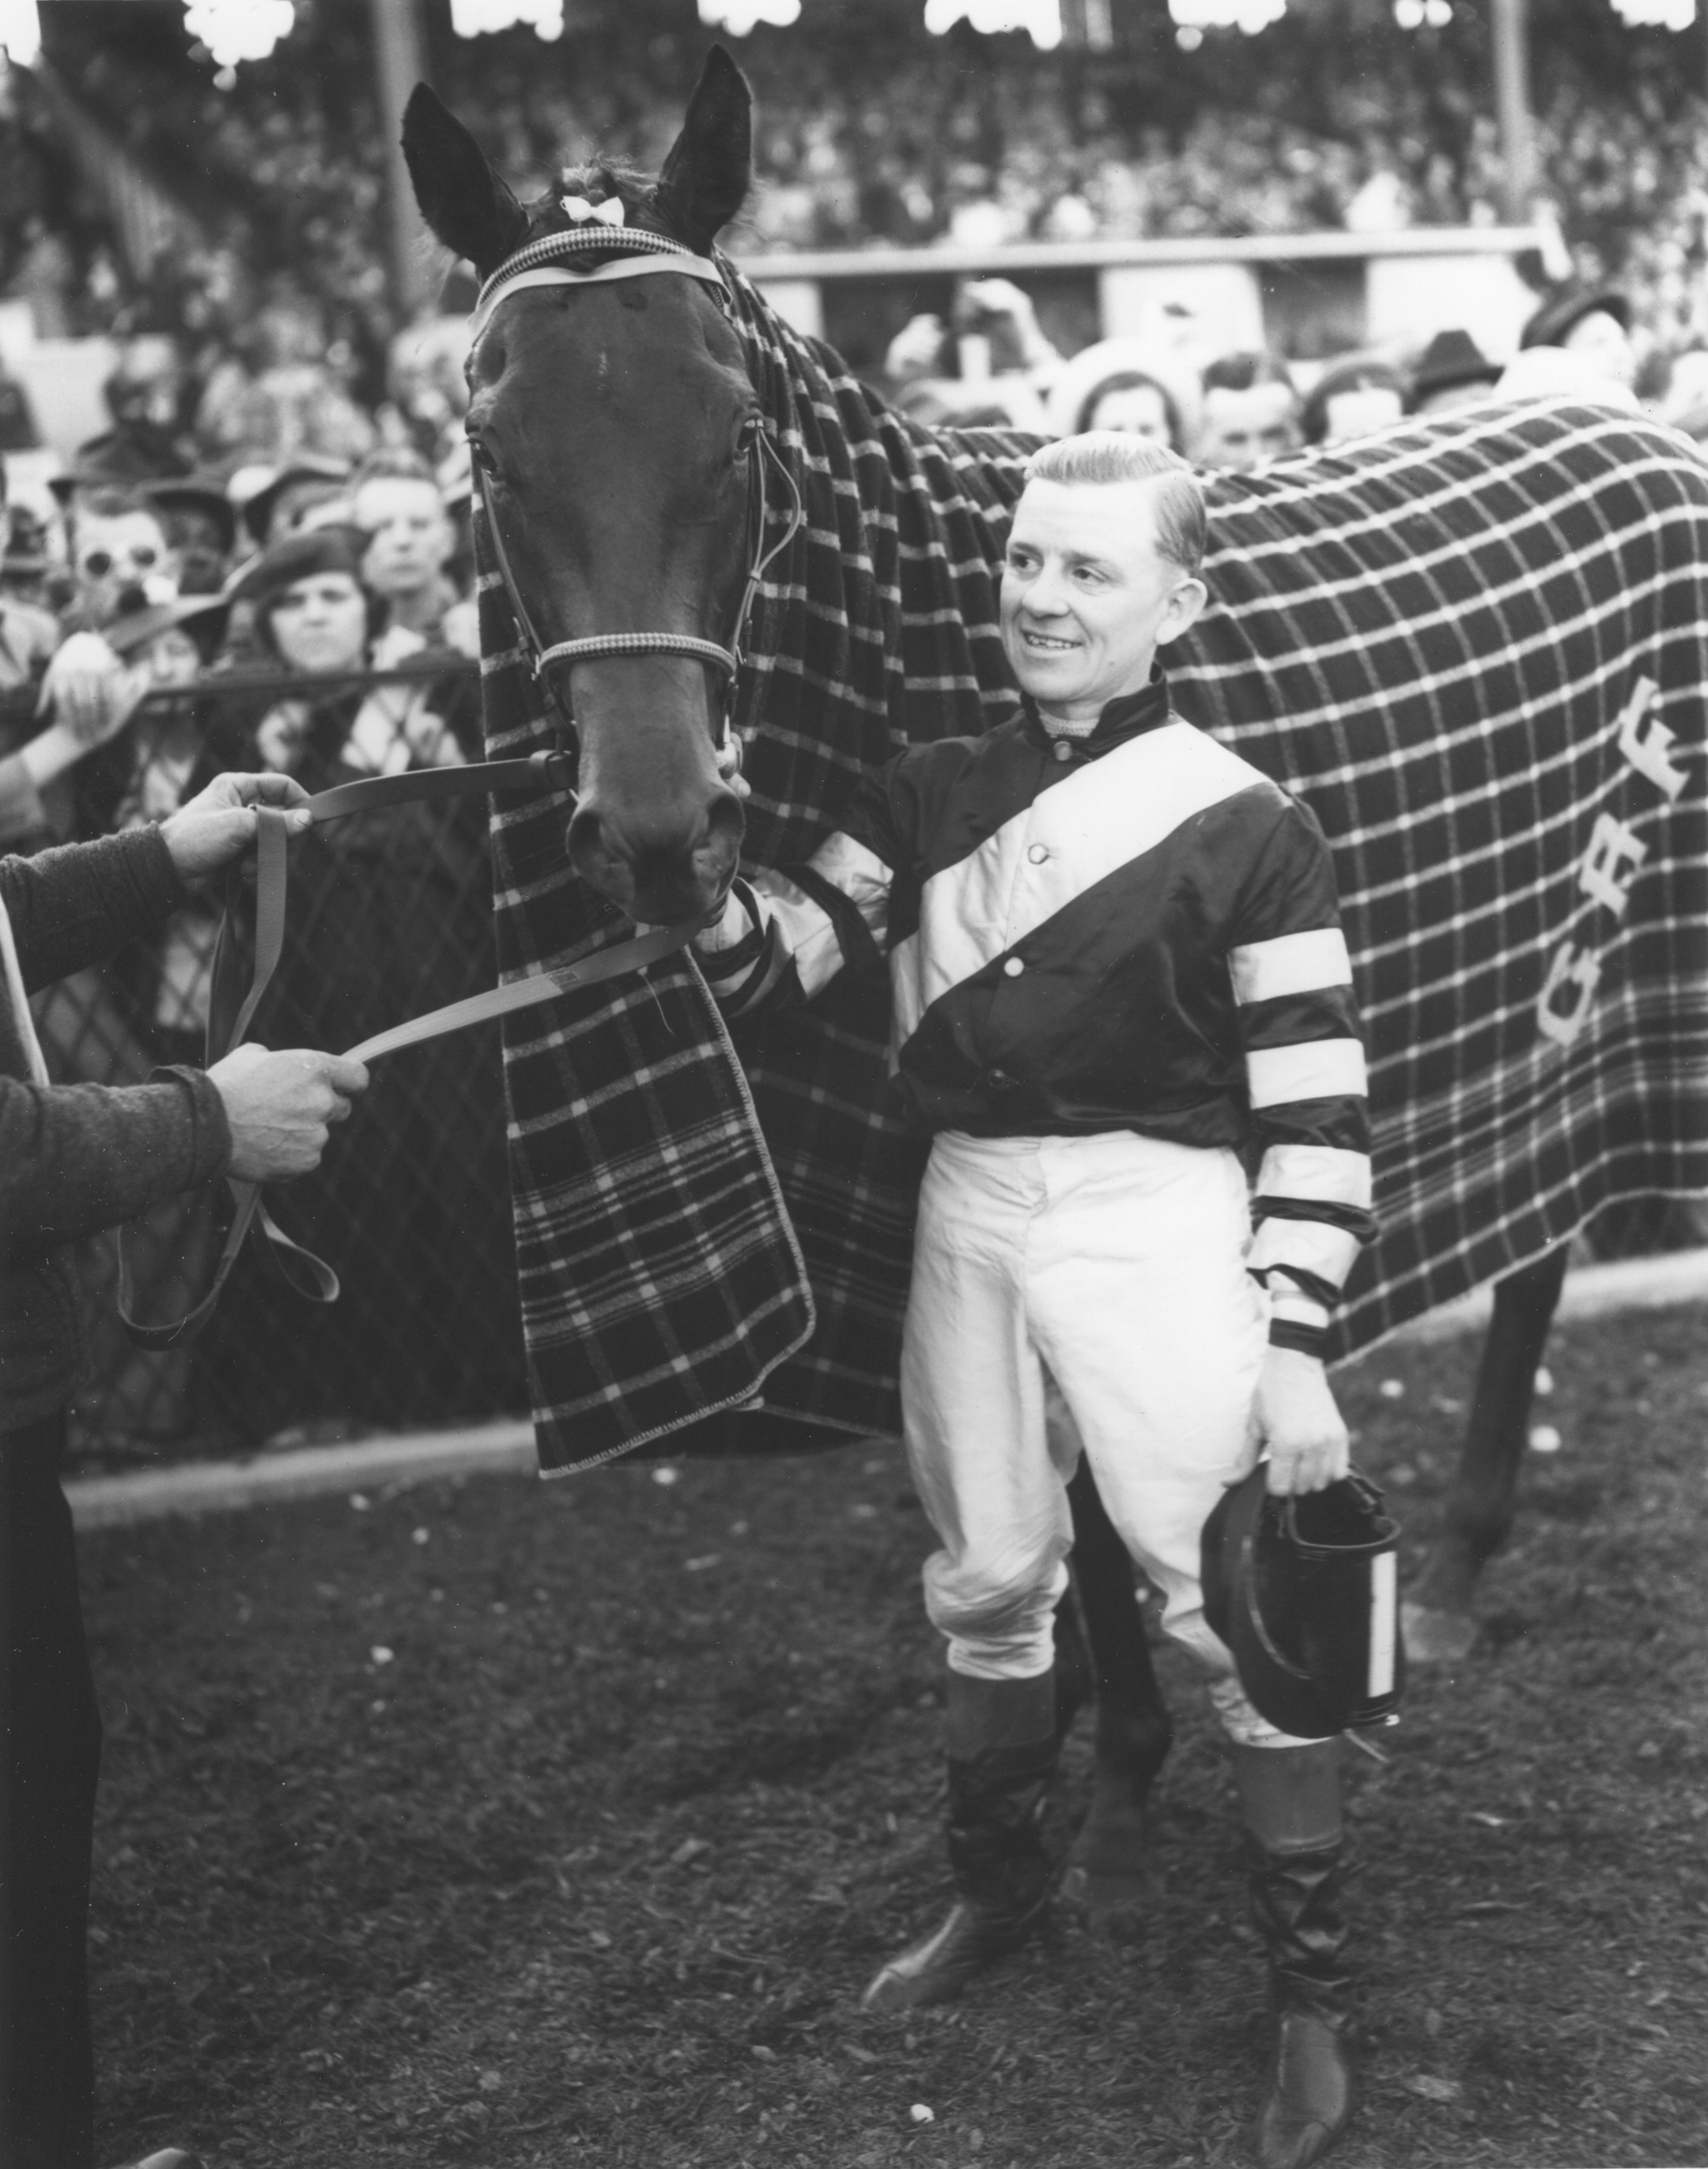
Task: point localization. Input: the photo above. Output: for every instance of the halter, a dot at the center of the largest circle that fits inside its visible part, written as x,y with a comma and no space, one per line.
551,261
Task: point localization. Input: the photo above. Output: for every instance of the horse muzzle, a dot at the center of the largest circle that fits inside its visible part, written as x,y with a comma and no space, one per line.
660,866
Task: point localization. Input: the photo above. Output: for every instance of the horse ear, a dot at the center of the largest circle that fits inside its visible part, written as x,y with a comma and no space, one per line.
465,202
710,168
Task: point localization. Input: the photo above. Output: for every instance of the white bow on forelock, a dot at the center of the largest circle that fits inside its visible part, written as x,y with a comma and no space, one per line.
608,213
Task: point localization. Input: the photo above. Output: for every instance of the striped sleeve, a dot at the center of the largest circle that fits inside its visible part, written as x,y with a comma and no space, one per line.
784,936
1304,1075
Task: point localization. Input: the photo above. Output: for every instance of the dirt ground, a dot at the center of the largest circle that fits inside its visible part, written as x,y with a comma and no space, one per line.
509,1824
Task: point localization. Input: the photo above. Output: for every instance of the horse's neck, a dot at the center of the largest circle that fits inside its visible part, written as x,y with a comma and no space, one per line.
920,582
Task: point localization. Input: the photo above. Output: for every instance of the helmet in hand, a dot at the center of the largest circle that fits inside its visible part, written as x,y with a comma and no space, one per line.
1304,1591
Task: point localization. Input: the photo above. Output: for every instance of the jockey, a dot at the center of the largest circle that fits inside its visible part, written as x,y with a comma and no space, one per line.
1116,969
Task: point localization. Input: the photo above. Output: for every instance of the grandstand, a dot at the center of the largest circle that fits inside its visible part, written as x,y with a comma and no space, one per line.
145,189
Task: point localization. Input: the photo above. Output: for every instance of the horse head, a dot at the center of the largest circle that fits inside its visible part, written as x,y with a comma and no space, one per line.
612,425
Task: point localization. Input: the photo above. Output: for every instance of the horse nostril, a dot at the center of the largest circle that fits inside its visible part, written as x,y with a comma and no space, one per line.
724,816
584,836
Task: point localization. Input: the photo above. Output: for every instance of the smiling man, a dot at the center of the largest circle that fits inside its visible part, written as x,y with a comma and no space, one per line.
1117,968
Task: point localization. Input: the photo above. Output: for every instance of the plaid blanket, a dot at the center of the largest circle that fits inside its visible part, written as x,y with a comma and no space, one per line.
1465,645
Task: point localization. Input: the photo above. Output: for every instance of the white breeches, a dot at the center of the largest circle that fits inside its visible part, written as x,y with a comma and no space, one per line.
1113,1266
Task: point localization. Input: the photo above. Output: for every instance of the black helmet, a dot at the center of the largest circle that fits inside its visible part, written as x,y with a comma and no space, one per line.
1302,1591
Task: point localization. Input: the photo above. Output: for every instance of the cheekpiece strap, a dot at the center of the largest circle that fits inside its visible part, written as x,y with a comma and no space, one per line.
550,261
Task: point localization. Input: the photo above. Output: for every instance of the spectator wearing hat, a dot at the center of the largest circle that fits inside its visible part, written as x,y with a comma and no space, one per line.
118,544
1250,413
201,526
163,643
155,643
1351,400
118,541
302,483
1116,384
86,774
1452,372
163,756
1592,322
315,612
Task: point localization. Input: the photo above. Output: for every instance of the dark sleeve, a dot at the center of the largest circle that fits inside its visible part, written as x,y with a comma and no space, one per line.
884,814
1304,1069
73,907
75,1158
784,935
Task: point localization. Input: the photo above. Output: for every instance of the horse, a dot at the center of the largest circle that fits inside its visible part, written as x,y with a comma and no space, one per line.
1473,646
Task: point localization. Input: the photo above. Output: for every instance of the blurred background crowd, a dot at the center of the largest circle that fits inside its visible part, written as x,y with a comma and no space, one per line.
872,130
261,557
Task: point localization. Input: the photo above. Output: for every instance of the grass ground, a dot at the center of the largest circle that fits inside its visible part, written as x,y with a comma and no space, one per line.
510,1826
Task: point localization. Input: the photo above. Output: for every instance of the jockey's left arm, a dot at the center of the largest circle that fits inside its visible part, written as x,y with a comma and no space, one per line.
1305,1077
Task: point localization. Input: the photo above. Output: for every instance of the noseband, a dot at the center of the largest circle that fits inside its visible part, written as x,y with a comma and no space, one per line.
551,261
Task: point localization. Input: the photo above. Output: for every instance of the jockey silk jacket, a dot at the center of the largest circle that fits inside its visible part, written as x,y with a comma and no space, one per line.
1133,931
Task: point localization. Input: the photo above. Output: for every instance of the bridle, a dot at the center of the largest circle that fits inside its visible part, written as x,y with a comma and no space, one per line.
552,261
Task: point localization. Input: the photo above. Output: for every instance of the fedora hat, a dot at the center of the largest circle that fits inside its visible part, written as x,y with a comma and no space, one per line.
1452,358
197,493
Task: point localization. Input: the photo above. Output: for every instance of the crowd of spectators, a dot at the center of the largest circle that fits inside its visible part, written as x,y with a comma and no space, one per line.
311,617
870,131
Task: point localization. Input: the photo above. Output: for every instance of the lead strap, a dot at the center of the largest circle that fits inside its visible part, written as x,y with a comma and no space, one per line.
230,1013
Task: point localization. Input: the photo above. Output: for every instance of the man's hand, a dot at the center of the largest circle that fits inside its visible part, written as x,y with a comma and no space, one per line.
985,303
218,825
280,1106
1294,1417
90,691
915,350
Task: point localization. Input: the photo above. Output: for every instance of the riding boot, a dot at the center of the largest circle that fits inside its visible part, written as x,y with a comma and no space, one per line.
1291,1801
1002,1754
1076,1681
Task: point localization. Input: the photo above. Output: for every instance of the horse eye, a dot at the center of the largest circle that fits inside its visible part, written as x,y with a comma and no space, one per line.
747,435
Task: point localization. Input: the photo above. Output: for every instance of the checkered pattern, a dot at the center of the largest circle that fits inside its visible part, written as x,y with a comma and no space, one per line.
1431,637
1428,636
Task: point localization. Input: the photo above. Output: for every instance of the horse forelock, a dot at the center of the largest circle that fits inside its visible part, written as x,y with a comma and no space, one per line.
596,181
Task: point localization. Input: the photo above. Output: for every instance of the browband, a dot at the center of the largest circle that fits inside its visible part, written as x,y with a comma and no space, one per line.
541,264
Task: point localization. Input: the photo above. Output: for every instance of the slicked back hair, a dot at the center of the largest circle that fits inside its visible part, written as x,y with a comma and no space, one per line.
1106,456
